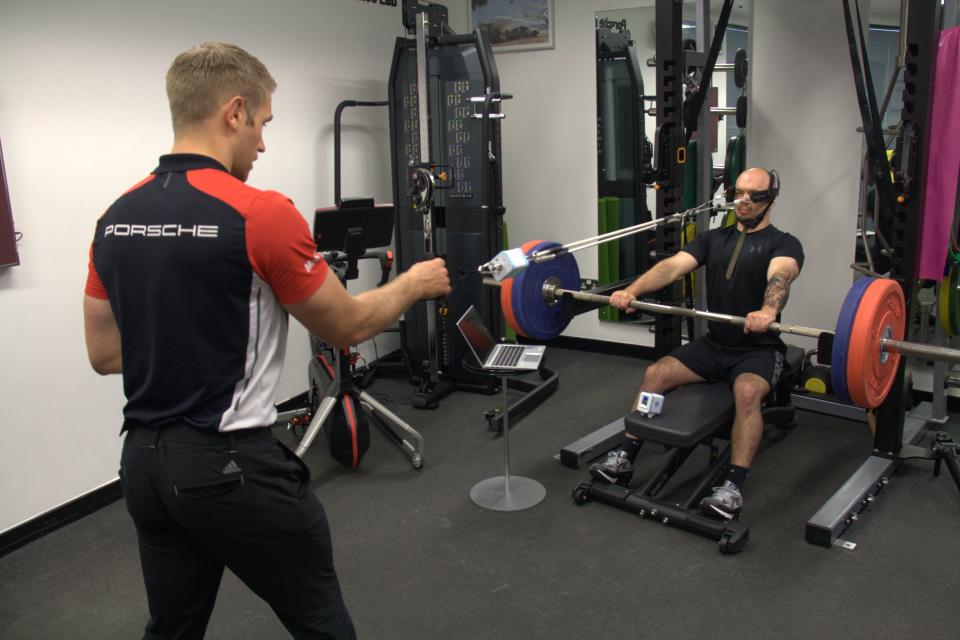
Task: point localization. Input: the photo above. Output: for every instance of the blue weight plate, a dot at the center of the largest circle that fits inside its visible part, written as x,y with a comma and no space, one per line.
841,339
535,317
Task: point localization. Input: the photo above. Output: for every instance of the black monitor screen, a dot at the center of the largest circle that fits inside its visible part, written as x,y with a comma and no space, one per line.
476,334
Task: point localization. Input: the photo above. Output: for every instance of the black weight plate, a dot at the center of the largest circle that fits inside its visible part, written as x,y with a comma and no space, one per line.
740,69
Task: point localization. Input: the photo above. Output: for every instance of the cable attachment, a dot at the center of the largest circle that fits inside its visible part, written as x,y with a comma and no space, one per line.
425,179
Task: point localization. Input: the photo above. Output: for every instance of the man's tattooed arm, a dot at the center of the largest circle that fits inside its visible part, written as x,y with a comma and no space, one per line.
777,293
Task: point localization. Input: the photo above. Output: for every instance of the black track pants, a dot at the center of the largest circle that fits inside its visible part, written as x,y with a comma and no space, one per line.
204,501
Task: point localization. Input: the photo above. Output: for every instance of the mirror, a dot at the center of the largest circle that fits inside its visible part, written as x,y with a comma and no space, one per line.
626,87
624,42
872,250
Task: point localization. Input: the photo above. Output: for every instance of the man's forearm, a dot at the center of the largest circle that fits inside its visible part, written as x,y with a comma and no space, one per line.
656,278
777,293
383,305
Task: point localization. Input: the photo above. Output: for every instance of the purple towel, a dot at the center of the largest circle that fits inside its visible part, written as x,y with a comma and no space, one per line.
943,159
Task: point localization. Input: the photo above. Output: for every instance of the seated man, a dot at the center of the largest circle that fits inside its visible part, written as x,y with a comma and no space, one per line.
749,270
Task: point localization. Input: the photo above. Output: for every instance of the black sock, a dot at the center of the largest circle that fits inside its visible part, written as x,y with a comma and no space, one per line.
631,447
738,475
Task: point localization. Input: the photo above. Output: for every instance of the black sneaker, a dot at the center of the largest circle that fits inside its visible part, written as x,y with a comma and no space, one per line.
616,469
725,503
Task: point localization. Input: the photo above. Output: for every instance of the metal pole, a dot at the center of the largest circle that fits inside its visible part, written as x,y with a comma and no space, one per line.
549,254
506,436
653,307
938,411
423,111
705,133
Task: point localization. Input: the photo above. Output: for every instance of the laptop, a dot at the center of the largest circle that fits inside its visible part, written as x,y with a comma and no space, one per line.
497,355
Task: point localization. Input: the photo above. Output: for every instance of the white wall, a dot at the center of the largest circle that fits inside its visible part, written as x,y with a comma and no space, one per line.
83,116
550,146
803,120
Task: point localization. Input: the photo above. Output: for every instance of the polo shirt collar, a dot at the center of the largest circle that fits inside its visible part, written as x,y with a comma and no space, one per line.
186,162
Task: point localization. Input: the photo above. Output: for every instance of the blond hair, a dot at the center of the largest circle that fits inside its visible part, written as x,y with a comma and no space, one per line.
202,78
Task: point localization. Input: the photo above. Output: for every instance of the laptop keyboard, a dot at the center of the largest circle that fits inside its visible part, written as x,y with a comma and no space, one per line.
507,356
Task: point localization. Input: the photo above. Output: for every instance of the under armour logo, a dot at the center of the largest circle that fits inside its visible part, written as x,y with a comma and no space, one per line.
232,467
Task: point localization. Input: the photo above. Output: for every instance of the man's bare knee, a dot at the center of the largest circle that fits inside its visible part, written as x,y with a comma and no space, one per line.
652,377
658,377
750,391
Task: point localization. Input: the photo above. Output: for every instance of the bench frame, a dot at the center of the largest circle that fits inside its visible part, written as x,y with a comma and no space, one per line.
731,535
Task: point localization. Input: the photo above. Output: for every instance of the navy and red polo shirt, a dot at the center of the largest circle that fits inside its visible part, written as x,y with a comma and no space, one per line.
196,264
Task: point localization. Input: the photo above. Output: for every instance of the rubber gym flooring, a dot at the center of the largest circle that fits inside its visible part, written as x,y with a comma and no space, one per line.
417,559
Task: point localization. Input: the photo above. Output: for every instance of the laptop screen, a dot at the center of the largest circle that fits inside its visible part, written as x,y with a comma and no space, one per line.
476,334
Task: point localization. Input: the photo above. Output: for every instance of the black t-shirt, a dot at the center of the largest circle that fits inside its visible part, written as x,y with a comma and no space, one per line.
744,291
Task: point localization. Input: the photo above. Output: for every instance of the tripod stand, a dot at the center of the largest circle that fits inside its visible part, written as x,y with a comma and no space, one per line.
340,389
351,225
942,450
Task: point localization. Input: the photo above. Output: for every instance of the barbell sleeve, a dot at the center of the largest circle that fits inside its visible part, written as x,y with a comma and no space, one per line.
920,350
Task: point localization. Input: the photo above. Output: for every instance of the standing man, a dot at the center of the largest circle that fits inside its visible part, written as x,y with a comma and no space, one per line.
192,274
750,267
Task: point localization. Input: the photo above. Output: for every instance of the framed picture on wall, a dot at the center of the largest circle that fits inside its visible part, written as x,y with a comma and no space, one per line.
514,25
8,236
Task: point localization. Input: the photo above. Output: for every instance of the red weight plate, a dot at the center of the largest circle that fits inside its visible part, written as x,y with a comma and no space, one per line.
870,371
506,297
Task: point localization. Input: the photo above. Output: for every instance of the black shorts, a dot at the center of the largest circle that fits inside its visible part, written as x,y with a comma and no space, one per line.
715,363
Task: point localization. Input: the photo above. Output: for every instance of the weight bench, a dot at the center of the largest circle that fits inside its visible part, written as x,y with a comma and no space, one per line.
693,415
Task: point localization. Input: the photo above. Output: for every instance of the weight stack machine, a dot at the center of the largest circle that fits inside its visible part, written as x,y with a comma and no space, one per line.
445,102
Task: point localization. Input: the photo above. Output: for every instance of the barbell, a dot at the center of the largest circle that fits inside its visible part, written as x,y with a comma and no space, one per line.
867,340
